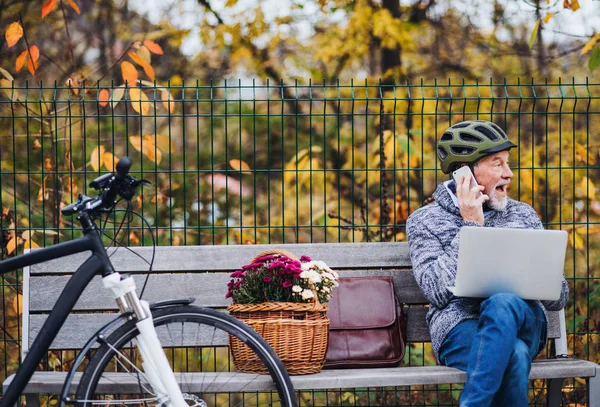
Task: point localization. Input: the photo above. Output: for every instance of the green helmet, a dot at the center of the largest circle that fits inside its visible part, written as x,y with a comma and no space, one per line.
466,142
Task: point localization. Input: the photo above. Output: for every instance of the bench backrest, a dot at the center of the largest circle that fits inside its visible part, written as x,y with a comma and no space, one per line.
203,272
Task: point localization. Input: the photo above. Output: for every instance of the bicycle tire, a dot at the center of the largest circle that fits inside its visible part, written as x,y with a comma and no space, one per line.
207,323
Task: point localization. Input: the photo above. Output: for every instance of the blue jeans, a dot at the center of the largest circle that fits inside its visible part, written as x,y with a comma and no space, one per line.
496,351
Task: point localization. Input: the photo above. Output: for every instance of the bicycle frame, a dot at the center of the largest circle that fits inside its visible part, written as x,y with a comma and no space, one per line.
97,263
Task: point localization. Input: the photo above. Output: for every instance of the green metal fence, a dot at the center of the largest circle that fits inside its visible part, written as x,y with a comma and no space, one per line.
243,161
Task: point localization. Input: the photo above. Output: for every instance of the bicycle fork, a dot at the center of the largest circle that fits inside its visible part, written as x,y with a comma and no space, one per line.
154,361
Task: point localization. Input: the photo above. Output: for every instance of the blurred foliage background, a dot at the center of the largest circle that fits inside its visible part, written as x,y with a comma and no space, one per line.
304,121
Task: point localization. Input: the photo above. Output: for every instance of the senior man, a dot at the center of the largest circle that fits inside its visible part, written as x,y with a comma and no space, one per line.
495,339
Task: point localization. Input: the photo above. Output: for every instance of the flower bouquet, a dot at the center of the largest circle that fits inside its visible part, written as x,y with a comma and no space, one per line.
285,300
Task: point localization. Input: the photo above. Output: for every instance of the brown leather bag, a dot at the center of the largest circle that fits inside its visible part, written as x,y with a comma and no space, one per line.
367,324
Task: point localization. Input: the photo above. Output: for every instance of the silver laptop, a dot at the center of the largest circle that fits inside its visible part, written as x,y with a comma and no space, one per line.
526,262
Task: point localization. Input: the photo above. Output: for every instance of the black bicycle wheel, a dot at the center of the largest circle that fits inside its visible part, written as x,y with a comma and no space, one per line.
195,342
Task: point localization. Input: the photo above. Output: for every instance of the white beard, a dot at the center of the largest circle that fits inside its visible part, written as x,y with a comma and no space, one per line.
495,203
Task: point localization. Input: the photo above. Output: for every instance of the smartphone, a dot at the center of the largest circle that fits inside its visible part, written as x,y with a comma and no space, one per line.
463,172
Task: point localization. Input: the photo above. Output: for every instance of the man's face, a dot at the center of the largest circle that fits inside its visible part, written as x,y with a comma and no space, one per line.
494,174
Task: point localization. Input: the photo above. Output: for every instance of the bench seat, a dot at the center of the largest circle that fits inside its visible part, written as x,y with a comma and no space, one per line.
51,382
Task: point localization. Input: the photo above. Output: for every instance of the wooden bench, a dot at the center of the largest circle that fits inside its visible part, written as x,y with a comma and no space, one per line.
203,272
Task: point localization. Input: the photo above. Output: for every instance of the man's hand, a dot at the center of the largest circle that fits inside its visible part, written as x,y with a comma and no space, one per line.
471,206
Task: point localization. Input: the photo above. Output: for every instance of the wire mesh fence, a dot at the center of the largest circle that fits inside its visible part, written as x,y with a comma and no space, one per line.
249,162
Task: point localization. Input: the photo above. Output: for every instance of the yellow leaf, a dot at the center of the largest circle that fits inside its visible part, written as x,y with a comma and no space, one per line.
74,6
117,95
48,7
13,33
588,188
139,101
11,245
130,74
95,160
590,44
6,74
153,47
30,244
176,80
239,165
26,235
534,33
133,239
136,142
103,97
144,64
167,101
71,186
21,60
42,194
6,87
575,5
18,303
109,161
73,84
144,53
165,144
147,146
576,240
548,17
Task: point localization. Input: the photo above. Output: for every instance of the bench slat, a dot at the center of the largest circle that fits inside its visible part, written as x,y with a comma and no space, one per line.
51,382
209,289
231,257
78,328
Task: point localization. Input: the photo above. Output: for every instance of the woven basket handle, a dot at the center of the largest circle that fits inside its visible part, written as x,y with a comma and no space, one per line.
275,251
315,298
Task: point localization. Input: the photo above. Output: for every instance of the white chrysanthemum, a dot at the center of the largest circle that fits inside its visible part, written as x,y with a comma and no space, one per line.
307,294
311,275
329,276
326,289
321,265
296,289
306,266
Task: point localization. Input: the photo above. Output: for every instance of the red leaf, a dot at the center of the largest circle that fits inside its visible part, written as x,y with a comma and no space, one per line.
21,60
48,7
143,63
32,65
34,51
32,61
74,6
130,74
103,97
153,47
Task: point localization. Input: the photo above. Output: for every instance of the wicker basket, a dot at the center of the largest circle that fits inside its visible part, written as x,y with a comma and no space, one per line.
297,332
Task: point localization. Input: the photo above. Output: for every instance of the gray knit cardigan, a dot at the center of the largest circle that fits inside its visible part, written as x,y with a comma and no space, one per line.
433,238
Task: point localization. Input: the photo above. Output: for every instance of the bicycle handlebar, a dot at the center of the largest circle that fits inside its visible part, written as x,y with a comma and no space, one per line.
110,185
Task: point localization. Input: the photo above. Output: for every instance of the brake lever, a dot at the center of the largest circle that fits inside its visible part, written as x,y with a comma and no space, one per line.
101,182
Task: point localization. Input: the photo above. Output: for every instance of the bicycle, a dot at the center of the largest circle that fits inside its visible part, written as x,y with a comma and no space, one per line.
130,344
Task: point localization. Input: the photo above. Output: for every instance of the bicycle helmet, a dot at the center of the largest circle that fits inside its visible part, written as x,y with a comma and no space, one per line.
468,141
